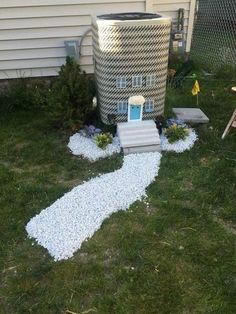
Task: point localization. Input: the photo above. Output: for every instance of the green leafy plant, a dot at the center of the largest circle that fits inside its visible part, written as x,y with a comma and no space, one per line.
176,132
23,94
103,139
70,100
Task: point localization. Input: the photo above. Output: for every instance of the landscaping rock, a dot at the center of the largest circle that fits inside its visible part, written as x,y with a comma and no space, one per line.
86,147
181,145
66,224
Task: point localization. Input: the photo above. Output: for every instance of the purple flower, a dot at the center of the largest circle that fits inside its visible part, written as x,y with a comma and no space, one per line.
170,122
91,130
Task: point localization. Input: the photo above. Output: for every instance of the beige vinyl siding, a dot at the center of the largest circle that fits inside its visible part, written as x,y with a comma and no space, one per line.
171,7
32,32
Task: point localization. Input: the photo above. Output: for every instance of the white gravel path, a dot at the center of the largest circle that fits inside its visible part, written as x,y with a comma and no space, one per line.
84,146
62,227
181,145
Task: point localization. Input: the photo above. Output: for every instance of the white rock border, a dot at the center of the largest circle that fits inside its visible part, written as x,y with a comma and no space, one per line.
66,224
86,147
181,145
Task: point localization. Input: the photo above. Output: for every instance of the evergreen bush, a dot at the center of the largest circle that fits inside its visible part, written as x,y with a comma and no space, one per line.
70,100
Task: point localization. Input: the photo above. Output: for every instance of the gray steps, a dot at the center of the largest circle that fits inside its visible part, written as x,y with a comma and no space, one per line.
141,149
137,137
138,140
147,124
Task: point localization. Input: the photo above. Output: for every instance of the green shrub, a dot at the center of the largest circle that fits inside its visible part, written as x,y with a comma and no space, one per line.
103,139
175,133
23,94
70,100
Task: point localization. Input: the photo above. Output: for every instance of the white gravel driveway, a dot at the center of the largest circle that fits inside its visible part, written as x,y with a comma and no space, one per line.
62,227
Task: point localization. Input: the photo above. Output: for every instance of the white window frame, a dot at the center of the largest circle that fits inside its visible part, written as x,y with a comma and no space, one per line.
149,105
150,79
122,106
137,81
121,82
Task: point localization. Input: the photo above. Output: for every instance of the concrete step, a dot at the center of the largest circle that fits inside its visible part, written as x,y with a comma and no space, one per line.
141,125
142,149
140,140
135,126
139,136
130,132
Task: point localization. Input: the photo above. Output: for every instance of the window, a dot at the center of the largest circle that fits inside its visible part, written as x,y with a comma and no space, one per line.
121,82
137,81
149,106
122,106
150,80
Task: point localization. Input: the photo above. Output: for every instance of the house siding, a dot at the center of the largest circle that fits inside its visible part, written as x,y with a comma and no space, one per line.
32,32
171,7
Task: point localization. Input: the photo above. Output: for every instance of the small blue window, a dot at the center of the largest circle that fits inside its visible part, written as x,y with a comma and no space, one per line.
149,105
121,82
151,80
122,106
137,81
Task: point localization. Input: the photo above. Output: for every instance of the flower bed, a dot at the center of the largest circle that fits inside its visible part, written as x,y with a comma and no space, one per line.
86,147
181,145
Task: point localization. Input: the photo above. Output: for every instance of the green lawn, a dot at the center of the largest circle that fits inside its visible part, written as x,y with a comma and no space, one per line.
177,255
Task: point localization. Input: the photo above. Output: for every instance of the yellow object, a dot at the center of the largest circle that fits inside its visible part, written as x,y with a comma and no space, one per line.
196,88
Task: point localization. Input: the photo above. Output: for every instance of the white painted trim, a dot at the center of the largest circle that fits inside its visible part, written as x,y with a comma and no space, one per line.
190,25
141,114
149,5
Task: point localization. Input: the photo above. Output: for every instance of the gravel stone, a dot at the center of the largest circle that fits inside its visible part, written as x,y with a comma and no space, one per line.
75,217
86,147
181,145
